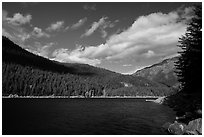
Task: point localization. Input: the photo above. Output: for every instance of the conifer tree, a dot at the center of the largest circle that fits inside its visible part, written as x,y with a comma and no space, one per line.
189,65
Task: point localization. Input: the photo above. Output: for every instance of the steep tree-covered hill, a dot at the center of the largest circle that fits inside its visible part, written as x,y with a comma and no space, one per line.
16,54
27,74
162,72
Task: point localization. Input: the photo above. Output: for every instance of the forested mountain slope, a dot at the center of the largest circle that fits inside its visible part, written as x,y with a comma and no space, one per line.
27,74
162,72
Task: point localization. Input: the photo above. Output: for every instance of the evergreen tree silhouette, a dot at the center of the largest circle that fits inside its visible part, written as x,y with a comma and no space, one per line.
189,64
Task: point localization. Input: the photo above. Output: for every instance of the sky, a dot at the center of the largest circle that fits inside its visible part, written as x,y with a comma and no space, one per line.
119,36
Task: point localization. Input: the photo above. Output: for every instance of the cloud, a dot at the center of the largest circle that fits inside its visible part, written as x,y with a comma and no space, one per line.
127,65
13,29
89,7
37,32
44,50
6,34
15,33
104,33
64,55
17,37
94,26
185,13
149,37
23,36
102,24
56,26
154,31
79,23
19,19
40,49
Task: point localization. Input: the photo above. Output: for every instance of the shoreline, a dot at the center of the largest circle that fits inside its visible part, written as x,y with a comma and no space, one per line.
138,97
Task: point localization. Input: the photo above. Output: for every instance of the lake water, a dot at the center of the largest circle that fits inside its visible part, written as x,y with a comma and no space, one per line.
118,116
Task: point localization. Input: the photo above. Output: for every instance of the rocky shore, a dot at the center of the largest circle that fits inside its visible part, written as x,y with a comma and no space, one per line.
194,127
188,107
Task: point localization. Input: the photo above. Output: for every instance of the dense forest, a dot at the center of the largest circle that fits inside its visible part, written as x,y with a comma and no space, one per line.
27,74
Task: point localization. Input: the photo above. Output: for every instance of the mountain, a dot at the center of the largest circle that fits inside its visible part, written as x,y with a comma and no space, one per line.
162,72
16,54
26,74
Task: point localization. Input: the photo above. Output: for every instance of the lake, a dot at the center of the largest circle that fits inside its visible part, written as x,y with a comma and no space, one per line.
79,116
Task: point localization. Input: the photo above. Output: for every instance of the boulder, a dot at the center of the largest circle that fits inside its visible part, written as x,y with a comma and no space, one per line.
194,127
177,128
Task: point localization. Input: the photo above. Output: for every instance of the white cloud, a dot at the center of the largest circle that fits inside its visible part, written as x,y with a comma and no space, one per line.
40,49
16,33
95,26
6,34
37,32
23,36
102,24
56,26
79,23
64,55
149,37
156,30
13,29
89,7
104,33
19,19
45,49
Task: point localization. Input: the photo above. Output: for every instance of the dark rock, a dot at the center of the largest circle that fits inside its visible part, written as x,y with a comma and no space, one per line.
191,133
177,128
195,126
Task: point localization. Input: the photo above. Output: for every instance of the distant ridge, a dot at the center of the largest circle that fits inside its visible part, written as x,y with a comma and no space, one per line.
162,72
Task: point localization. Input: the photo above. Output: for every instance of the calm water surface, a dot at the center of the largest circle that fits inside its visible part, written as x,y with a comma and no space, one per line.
84,116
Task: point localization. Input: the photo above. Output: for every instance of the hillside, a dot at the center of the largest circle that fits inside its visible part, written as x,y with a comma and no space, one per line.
15,54
28,74
162,72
